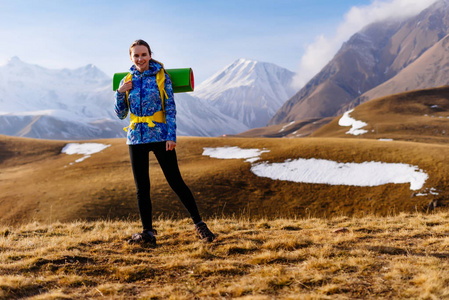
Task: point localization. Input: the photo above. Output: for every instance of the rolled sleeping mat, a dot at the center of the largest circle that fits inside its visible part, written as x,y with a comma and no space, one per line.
182,80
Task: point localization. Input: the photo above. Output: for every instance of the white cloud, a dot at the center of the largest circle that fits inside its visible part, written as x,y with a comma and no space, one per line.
321,51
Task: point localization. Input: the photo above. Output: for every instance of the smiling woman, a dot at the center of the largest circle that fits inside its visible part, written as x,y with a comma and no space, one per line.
147,94
140,55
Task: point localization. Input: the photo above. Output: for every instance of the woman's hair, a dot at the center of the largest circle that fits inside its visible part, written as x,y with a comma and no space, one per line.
140,43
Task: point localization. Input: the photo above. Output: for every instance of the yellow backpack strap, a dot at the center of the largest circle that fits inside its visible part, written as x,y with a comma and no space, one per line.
160,79
158,116
128,78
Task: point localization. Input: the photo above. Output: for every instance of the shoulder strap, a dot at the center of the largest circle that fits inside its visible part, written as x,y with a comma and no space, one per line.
160,79
128,78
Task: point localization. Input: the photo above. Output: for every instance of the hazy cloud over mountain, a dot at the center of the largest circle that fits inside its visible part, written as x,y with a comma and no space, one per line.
319,53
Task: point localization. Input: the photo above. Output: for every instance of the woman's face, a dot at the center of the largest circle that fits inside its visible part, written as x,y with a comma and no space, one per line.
140,57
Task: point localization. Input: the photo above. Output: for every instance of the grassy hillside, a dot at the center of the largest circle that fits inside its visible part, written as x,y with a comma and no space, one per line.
39,183
396,257
419,116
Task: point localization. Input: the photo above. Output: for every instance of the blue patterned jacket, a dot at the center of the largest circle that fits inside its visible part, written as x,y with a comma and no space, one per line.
145,100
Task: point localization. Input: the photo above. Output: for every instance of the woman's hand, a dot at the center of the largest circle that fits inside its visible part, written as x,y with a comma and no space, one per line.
170,145
125,87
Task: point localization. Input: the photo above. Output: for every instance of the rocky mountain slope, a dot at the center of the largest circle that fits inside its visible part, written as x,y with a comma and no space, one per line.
429,70
369,58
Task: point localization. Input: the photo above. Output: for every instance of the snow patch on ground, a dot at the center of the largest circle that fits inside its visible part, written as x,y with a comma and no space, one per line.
356,125
251,155
426,192
326,171
87,149
334,173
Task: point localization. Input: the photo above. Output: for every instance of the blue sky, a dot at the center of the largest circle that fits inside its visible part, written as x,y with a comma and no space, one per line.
204,35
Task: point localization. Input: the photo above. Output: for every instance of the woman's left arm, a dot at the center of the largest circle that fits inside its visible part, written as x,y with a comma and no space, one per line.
170,110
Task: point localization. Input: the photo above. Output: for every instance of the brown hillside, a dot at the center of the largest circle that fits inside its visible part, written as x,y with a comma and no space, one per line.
292,129
420,116
38,182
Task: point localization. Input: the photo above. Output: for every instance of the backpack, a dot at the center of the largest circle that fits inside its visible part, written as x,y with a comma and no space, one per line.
158,116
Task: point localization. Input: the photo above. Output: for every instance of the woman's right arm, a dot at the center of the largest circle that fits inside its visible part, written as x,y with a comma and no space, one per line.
121,107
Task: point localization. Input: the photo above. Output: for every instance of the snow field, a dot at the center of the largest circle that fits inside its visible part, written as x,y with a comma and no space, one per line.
322,171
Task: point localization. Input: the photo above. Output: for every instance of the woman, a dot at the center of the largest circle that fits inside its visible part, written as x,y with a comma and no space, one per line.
153,128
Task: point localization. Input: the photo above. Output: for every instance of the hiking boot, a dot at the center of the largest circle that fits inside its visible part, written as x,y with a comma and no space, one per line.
203,232
144,237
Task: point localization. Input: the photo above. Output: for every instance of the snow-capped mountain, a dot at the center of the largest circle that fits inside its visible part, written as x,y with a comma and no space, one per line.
196,117
25,87
56,104
78,104
249,91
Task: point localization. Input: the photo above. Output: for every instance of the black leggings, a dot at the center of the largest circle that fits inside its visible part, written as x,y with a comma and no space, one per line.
169,164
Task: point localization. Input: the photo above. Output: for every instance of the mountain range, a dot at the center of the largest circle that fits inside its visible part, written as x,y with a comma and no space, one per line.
55,104
383,58
78,104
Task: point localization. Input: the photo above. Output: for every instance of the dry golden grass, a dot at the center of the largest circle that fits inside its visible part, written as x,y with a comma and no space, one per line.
403,256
